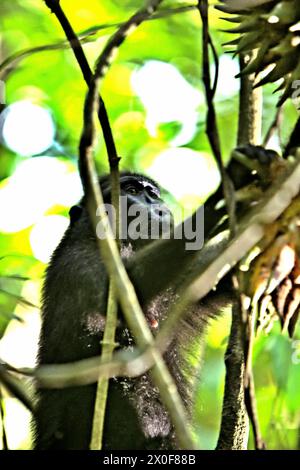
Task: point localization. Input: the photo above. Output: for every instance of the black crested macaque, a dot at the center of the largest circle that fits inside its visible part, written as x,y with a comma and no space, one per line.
73,319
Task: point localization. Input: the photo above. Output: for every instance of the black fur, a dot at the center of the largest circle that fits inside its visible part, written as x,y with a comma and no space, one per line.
74,306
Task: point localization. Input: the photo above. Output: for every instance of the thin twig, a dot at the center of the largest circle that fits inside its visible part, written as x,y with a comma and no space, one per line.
10,62
75,44
217,66
84,36
108,343
211,122
108,346
110,50
249,320
211,119
234,426
250,402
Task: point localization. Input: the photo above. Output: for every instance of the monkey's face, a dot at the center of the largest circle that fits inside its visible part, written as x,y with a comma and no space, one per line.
144,216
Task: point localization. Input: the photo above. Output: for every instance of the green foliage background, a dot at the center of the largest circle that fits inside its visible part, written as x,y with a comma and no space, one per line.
51,78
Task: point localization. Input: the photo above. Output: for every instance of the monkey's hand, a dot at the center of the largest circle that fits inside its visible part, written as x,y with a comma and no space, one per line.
254,163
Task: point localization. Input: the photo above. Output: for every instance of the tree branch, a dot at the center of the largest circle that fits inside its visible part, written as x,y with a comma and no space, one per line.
108,346
76,46
107,246
211,119
234,425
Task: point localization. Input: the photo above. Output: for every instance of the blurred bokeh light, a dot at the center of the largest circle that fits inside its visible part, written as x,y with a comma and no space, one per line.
36,185
27,129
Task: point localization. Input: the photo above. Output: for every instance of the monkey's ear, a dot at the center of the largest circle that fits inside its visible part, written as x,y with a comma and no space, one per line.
75,213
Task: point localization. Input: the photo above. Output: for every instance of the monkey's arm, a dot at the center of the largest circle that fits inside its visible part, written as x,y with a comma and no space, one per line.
168,262
165,263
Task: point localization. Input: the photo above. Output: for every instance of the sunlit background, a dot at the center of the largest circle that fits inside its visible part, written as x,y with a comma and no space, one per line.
155,101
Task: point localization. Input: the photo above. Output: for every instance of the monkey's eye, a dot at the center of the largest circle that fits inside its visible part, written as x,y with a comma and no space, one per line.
154,194
130,189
